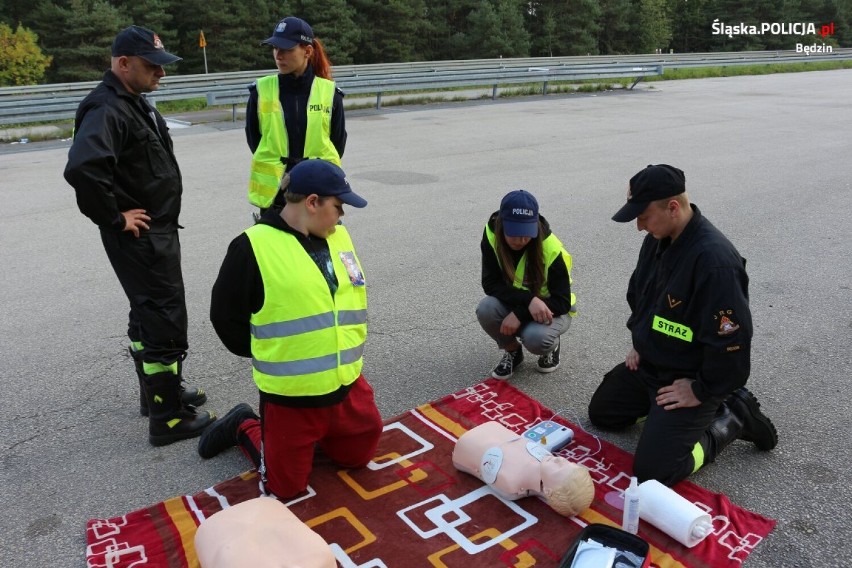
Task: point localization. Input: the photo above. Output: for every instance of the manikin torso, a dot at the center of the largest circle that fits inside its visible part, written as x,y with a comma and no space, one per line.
515,467
260,533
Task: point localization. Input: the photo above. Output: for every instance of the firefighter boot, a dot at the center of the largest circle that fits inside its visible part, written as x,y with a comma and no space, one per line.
757,427
191,396
725,428
170,419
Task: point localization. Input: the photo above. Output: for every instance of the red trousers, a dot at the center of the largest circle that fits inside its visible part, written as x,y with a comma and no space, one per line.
281,444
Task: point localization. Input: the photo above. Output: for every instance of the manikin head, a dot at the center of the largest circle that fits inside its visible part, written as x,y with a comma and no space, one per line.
566,487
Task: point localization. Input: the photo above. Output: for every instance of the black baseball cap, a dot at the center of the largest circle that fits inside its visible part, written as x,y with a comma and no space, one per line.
325,179
654,182
289,33
142,42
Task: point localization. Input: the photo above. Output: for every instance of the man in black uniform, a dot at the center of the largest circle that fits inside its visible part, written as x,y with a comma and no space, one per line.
123,169
691,330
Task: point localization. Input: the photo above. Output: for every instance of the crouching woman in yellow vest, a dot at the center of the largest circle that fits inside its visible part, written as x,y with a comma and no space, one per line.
294,115
292,296
526,276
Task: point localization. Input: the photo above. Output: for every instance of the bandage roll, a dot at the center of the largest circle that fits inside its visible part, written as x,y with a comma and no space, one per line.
673,514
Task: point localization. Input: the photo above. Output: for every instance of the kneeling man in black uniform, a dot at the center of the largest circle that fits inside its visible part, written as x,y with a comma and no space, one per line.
691,328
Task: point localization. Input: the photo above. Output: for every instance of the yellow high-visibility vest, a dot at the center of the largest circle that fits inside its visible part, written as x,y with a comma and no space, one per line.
551,248
304,341
266,165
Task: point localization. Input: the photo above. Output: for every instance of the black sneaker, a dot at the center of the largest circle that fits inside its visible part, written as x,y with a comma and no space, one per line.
757,427
223,433
509,360
549,362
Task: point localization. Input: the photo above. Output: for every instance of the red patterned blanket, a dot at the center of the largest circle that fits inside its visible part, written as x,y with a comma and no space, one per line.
412,508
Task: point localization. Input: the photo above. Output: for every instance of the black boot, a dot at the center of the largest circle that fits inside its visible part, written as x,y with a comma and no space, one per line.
725,428
170,419
191,396
757,427
223,434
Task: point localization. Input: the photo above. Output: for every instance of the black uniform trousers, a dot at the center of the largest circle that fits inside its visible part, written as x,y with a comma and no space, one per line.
148,269
665,447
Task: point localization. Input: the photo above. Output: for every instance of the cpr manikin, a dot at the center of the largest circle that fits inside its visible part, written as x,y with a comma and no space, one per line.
515,467
260,533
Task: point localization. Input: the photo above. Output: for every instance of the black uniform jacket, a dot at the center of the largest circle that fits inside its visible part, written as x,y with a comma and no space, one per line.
239,292
690,312
122,159
494,282
293,92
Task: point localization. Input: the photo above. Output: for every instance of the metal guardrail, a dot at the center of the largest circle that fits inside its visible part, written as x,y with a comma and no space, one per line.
59,101
432,81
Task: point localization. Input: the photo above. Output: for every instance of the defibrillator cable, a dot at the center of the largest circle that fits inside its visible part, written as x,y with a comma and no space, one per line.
577,422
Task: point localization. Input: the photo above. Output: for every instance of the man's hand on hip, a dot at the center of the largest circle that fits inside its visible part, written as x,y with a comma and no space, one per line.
135,219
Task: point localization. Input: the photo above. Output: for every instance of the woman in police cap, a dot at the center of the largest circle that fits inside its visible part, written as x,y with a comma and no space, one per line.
526,276
294,115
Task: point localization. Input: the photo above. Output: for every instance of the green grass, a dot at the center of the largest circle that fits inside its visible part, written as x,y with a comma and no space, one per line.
738,70
589,86
402,101
183,105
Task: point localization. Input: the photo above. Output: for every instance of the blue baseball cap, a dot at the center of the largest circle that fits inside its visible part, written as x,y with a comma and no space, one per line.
325,179
289,33
519,214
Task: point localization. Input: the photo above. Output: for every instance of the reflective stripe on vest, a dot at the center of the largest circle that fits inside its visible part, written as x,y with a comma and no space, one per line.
266,165
304,341
551,248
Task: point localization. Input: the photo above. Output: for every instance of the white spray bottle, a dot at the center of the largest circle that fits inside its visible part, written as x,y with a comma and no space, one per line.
630,520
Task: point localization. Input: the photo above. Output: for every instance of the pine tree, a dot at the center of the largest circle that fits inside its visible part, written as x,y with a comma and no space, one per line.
655,26
517,38
154,15
78,34
564,28
842,19
256,20
333,22
691,25
233,33
395,28
13,12
448,23
497,30
614,33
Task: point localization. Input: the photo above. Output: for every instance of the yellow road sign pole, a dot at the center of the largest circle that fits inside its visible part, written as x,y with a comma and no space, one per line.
202,43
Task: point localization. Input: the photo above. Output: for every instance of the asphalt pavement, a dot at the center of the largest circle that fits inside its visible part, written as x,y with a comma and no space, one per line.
766,158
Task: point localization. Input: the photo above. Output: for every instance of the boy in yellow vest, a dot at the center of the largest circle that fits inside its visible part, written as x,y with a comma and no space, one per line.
292,296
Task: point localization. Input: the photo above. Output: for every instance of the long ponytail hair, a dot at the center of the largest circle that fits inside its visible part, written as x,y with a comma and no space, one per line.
534,271
320,62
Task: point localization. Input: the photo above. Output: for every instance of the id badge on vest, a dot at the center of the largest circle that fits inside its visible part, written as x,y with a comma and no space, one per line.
355,274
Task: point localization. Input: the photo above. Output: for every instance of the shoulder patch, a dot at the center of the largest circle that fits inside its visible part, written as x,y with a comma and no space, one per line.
727,326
